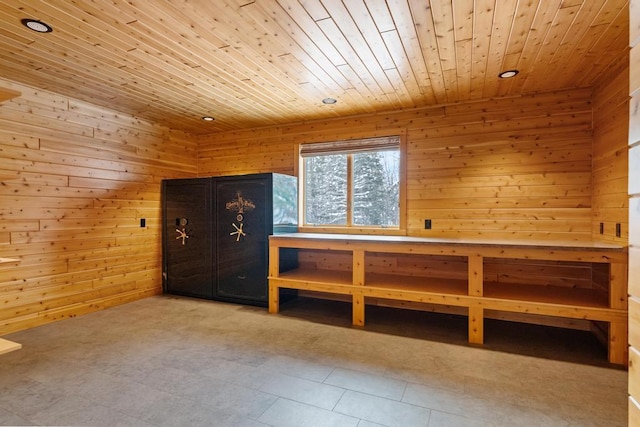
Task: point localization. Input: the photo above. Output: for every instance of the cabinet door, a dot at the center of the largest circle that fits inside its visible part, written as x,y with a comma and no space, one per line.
187,239
243,220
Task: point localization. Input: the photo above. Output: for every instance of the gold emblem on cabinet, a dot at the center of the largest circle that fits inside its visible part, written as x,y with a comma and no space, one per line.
241,206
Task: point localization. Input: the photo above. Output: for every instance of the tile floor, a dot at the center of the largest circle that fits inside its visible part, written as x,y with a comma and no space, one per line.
171,361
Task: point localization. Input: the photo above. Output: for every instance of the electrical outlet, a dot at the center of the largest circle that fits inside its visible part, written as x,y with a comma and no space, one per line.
618,230
143,222
427,224
602,228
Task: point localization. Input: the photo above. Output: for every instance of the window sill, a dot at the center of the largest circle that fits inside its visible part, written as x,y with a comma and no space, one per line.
354,230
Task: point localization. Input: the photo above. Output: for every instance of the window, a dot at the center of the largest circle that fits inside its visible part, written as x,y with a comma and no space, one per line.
351,183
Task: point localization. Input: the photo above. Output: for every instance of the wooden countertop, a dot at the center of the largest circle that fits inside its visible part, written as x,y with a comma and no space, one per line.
537,244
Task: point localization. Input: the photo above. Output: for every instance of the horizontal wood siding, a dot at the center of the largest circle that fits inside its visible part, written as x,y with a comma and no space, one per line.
75,181
511,168
611,155
516,272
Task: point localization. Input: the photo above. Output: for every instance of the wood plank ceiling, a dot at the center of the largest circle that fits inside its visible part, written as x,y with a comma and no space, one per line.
263,62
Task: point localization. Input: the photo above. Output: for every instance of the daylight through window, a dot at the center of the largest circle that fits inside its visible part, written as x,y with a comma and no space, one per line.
351,183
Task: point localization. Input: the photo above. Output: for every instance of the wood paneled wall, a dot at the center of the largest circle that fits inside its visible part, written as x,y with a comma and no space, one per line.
75,181
634,215
513,168
610,155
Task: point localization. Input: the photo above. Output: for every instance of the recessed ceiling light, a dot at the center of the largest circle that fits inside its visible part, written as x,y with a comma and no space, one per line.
208,119
508,74
329,101
35,25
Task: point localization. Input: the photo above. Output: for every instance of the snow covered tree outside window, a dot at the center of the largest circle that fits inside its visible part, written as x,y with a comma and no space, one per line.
326,189
376,188
352,183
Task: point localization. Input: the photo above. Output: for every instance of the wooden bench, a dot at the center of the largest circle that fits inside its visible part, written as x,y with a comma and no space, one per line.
474,293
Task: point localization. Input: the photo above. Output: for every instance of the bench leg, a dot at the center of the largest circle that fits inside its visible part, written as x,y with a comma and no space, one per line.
618,343
358,309
274,294
476,325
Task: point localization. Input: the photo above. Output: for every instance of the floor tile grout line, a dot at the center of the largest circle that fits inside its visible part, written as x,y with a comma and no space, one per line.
344,391
266,409
404,391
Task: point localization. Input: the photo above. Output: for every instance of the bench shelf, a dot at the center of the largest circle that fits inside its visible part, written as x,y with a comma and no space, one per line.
470,289
7,346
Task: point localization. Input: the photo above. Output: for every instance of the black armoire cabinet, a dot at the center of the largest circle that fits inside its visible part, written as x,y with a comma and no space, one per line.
186,237
216,234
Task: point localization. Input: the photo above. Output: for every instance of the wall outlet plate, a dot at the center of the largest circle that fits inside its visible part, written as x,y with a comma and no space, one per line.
427,224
